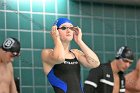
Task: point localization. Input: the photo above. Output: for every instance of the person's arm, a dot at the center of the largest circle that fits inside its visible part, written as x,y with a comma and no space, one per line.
133,79
138,76
56,55
87,57
138,82
12,87
91,83
132,82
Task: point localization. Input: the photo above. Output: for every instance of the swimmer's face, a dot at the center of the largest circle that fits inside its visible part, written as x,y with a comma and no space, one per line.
8,57
66,32
124,64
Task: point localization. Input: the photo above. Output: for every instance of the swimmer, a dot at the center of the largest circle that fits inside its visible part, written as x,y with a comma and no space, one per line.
9,49
62,64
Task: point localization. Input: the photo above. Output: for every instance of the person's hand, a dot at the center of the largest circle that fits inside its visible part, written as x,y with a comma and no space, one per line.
54,33
77,34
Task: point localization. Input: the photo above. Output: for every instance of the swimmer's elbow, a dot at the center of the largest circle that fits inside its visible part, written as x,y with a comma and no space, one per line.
98,64
95,64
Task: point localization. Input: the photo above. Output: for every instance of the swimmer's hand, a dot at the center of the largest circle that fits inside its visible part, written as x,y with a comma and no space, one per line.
54,32
77,34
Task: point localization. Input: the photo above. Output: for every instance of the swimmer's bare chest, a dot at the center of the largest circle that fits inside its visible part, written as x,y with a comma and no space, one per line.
5,79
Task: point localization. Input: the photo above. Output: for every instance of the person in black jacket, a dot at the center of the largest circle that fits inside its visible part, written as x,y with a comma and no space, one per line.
109,78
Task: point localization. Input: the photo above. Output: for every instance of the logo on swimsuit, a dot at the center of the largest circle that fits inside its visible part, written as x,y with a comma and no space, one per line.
68,62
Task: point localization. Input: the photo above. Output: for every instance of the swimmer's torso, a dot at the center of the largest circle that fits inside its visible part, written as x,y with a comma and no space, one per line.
66,77
5,78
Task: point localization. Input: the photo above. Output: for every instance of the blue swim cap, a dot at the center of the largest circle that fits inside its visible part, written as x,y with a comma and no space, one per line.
60,21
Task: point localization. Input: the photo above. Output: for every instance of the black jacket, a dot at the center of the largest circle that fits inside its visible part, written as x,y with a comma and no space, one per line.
100,80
